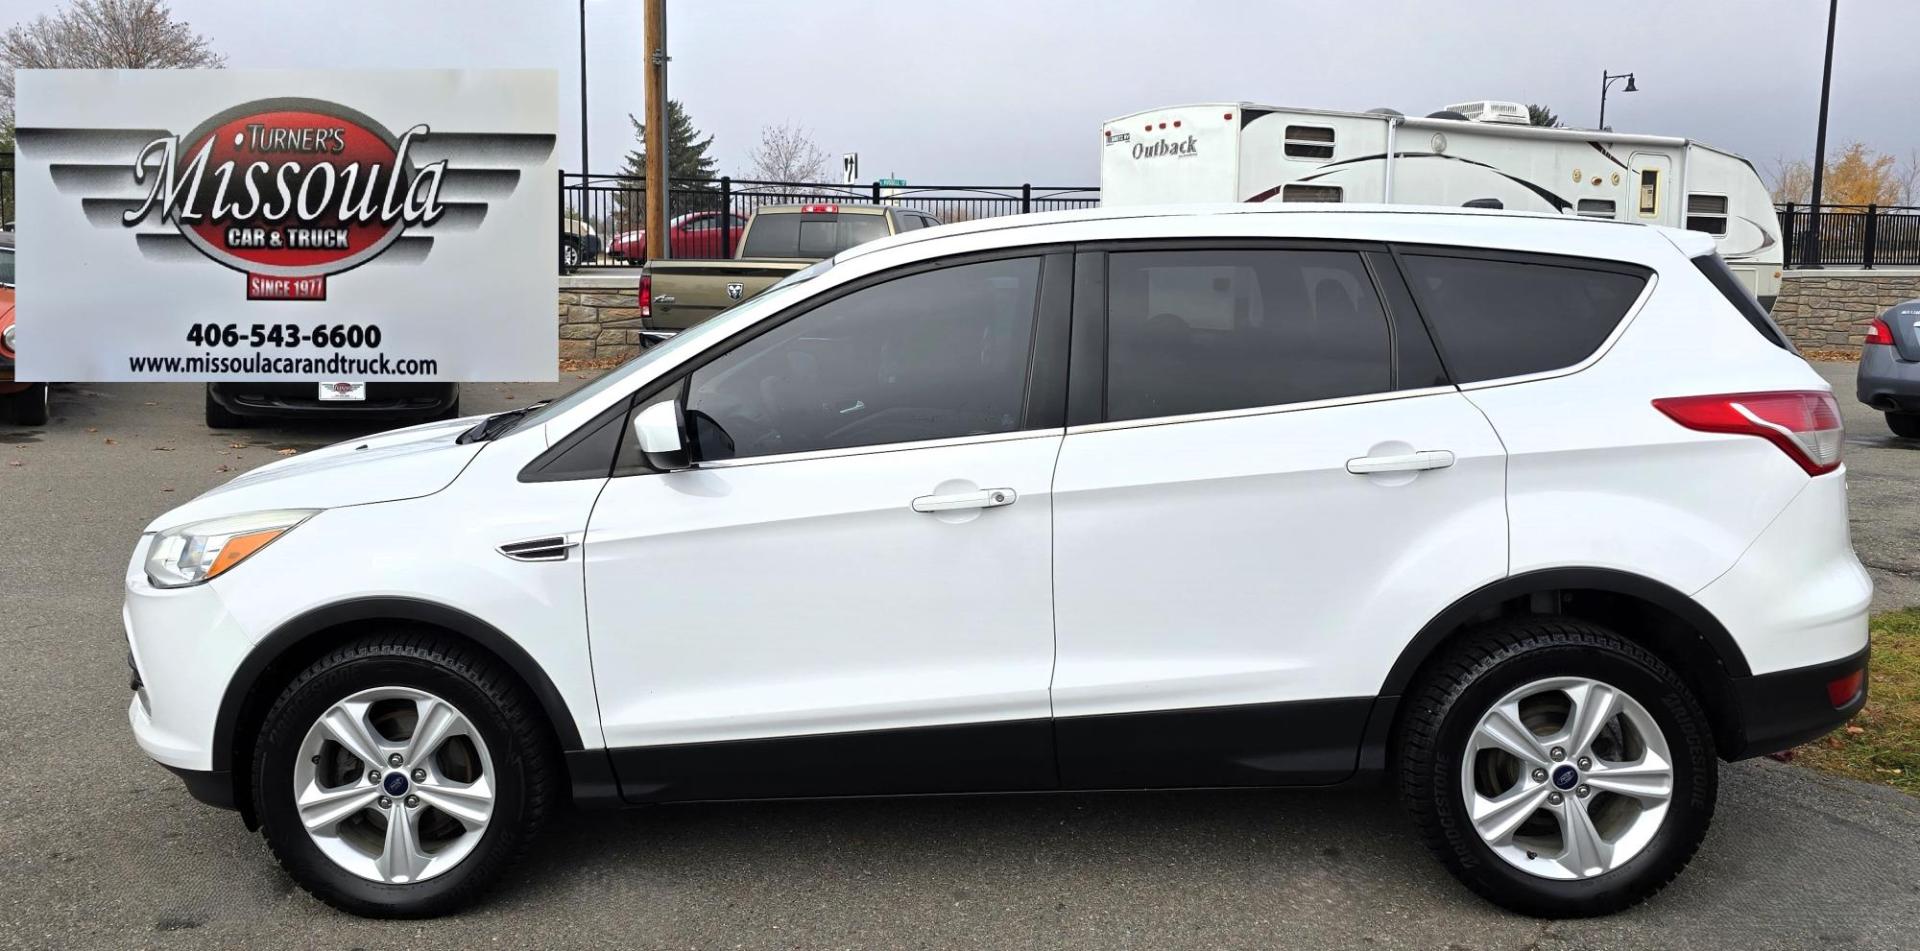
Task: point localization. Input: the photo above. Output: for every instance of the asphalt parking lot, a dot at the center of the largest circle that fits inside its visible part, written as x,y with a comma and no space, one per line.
100,848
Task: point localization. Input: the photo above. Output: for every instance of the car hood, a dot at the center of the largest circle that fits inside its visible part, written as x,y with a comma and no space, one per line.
387,467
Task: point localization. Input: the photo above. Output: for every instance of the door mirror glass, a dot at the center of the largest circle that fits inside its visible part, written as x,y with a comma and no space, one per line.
661,435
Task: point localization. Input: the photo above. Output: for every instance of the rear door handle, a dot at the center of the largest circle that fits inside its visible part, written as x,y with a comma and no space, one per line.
983,499
1409,462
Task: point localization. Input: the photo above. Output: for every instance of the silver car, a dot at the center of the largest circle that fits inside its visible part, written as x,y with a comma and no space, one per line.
1890,368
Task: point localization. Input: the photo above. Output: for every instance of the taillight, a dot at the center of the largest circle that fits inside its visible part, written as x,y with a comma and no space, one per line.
1805,424
820,209
1879,334
1843,691
646,295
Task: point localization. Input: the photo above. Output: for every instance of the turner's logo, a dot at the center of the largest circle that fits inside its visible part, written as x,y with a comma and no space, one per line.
1179,148
289,189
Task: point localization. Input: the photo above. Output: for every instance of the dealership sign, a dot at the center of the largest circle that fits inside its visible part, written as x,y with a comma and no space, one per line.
282,225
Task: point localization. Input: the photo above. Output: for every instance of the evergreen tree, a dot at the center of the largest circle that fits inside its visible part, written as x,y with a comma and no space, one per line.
689,167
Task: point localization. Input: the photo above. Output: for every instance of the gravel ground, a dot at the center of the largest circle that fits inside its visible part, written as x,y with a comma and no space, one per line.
100,848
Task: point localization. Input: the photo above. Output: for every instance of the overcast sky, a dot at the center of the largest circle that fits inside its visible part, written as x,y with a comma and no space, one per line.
993,91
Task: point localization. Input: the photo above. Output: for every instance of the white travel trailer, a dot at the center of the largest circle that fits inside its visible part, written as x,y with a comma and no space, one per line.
1483,156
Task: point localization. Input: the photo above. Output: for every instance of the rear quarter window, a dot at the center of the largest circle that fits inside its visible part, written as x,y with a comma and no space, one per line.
1494,317
1715,269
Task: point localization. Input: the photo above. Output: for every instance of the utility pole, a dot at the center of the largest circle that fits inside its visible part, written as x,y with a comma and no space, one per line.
1812,258
586,164
656,144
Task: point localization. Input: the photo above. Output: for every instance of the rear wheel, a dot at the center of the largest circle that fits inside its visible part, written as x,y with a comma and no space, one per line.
1556,768
570,254
398,776
29,407
1906,425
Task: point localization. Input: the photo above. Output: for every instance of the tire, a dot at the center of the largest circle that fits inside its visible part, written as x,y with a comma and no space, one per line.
569,255
505,739
451,412
1650,842
1905,425
29,407
219,417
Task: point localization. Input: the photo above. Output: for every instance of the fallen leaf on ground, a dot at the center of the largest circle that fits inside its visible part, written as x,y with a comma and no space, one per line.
16,463
108,441
288,452
223,467
236,445
163,449
166,488
1855,730
93,429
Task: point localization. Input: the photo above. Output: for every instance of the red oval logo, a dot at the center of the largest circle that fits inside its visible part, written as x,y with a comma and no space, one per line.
290,187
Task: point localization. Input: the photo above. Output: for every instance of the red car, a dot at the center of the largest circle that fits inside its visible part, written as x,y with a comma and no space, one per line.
26,403
695,235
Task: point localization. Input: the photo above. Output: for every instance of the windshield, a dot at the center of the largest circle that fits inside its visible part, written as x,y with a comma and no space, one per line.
768,301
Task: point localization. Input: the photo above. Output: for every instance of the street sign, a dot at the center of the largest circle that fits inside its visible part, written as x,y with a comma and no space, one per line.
850,164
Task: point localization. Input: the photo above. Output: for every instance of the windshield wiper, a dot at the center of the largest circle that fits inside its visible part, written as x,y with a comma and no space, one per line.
499,424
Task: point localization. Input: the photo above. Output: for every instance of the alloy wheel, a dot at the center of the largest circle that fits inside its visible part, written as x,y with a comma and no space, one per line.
1567,778
394,785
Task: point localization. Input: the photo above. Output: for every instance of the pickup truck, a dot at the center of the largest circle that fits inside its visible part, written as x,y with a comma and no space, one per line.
779,240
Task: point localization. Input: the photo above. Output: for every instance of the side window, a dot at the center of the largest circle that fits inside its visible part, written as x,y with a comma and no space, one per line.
1310,193
703,224
1495,318
905,221
928,356
1309,141
1201,331
1595,208
1707,213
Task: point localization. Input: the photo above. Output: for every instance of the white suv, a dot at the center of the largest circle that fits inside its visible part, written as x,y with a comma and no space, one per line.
1538,517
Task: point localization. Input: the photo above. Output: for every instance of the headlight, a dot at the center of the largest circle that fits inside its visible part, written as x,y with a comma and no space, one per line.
201,551
6,337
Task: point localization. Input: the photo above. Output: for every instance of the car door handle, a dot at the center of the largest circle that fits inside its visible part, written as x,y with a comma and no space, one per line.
983,499
1408,462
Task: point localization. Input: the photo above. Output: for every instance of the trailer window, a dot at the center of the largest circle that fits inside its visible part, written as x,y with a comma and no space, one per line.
1310,193
1309,141
1649,193
1596,208
1707,213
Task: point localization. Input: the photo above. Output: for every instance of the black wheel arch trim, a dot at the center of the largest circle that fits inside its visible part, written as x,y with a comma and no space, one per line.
1423,645
297,630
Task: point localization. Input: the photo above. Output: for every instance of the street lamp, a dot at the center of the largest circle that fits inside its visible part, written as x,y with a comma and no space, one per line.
585,165
1608,79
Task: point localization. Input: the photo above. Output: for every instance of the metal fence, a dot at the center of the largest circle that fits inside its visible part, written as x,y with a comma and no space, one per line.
614,206
1864,236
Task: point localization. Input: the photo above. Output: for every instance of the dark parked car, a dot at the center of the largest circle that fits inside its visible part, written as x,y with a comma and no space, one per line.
1889,378
236,405
24,403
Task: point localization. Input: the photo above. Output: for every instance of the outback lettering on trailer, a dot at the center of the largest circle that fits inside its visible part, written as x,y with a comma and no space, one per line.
1180,149
288,191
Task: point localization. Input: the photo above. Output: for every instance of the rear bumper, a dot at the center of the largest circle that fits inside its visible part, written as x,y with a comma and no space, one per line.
1782,710
1888,383
396,400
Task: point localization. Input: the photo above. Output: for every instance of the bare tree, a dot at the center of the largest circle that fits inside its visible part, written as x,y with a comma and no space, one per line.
1789,180
787,154
1908,176
101,34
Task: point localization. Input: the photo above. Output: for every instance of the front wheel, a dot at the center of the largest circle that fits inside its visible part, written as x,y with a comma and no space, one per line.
1556,768
399,775
1906,425
30,407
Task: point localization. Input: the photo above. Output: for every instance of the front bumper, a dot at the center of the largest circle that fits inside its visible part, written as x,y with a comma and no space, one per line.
1888,383
384,400
185,647
1782,710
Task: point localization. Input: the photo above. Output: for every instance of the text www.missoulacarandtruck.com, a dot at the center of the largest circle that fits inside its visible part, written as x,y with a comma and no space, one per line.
338,365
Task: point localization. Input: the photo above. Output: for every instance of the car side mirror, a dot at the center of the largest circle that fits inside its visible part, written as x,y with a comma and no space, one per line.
661,433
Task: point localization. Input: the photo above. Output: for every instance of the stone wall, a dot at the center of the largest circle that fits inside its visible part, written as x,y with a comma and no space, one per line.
599,316
1829,309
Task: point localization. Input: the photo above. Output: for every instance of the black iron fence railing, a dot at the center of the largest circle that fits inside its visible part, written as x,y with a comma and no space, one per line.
1865,236
602,216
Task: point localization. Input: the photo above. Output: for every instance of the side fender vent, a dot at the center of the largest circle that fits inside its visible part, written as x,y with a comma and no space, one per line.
550,548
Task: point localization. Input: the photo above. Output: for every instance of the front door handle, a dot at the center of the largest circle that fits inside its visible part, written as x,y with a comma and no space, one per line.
983,499
1408,462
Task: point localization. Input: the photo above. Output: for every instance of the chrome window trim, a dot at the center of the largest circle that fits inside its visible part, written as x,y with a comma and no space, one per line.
1272,410
974,440
1620,329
